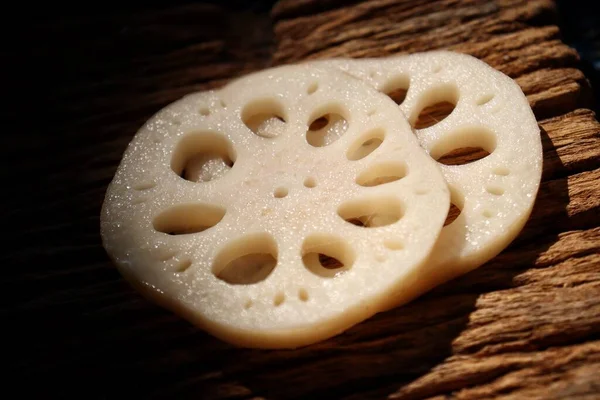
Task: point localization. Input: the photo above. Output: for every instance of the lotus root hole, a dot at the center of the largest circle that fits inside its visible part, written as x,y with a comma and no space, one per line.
382,173
246,260
326,255
303,295
456,205
278,299
265,118
366,144
326,125
372,212
397,88
453,213
310,182
484,99
464,146
280,192
203,157
495,190
188,218
434,106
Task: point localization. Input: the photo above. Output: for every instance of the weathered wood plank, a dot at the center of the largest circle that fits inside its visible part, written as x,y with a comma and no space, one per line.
555,91
557,373
385,26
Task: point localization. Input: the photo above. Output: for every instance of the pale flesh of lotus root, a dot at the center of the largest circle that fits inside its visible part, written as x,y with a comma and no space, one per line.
495,194
279,203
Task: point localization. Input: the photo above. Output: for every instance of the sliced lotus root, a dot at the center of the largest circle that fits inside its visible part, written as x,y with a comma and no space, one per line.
477,123
278,211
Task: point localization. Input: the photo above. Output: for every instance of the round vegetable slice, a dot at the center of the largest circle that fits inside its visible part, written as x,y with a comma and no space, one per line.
477,123
278,211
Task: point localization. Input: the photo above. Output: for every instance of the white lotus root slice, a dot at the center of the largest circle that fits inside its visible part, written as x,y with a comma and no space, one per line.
495,194
305,206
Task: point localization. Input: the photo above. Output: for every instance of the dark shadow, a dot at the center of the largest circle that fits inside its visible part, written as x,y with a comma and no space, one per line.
578,22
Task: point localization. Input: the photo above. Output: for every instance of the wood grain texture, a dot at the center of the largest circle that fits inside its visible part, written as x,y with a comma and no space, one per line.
525,325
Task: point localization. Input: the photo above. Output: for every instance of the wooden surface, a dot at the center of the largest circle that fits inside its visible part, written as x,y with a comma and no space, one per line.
526,325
